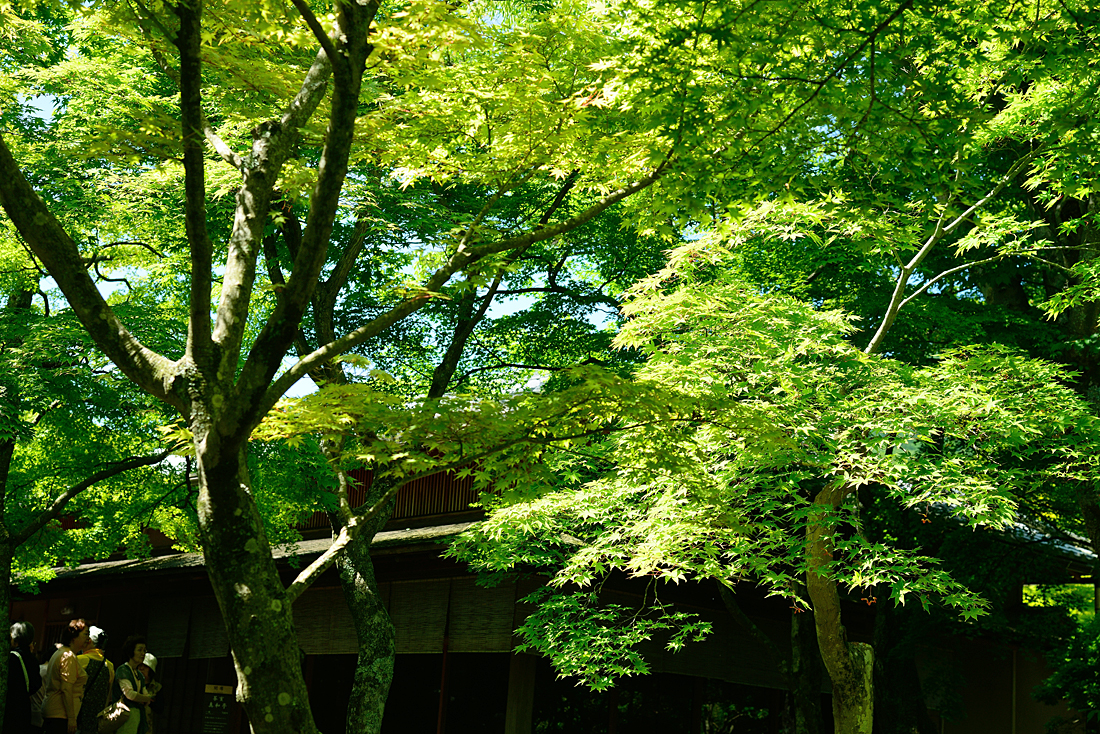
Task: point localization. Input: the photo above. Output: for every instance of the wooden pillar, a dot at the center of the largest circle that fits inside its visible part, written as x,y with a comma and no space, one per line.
521,694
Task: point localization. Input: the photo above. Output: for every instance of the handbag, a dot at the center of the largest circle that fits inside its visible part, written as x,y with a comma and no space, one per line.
113,717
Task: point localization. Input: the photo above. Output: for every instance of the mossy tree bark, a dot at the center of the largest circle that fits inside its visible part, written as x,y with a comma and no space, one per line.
225,382
374,630
850,664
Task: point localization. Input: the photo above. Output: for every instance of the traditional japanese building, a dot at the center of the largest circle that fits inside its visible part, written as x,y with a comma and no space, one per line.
456,670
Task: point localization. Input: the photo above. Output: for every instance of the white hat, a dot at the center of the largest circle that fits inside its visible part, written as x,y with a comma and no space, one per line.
151,661
97,635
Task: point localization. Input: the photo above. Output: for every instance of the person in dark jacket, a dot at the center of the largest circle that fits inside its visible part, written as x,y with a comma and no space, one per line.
101,678
24,680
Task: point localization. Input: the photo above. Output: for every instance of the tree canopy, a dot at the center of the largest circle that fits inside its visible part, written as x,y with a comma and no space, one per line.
453,197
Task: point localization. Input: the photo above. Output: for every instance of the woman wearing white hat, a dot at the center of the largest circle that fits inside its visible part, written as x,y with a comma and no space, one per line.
130,687
148,668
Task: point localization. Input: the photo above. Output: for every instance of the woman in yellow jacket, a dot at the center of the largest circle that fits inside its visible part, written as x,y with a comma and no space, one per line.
65,681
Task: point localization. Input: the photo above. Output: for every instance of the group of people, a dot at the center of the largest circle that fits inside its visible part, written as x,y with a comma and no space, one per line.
66,694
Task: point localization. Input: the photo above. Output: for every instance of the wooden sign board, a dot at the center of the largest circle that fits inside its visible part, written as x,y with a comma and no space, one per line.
216,709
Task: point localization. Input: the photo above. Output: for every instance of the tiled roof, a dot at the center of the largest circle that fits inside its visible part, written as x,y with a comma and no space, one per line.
304,549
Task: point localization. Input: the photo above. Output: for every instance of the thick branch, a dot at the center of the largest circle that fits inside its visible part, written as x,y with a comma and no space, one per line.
822,588
349,532
324,299
282,326
188,41
465,323
49,241
273,143
58,505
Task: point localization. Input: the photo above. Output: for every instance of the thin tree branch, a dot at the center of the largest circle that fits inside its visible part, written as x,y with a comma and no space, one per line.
463,257
465,324
947,273
559,199
897,299
315,26
58,505
105,279
820,84
125,243
224,151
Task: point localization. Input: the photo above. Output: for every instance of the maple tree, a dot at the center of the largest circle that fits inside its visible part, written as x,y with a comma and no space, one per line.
228,131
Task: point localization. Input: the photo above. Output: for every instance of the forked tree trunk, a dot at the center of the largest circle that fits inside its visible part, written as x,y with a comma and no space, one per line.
850,664
252,599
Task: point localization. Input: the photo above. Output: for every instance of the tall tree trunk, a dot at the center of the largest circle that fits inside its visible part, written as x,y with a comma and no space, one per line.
7,553
252,599
850,664
19,300
373,627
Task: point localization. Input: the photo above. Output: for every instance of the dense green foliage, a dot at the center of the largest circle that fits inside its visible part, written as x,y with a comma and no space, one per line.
869,209
781,405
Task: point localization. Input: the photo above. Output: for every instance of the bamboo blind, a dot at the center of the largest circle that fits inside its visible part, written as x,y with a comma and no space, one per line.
474,619
169,618
208,638
324,624
481,619
419,613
